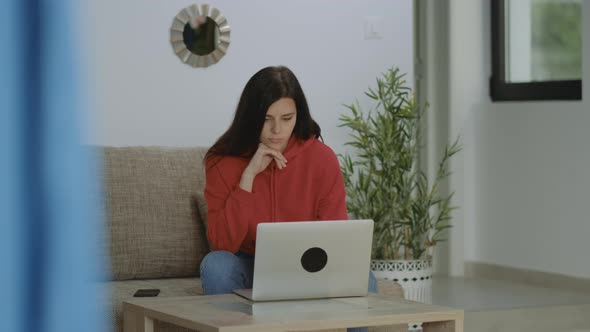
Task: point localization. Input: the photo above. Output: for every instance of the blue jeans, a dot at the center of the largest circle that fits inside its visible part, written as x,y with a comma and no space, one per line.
223,272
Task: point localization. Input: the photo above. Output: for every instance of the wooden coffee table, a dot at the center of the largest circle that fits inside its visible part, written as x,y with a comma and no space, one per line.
232,313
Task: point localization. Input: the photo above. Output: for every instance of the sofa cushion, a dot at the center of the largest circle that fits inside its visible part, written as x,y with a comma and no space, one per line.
149,213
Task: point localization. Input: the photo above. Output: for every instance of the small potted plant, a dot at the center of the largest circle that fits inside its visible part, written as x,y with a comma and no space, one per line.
385,183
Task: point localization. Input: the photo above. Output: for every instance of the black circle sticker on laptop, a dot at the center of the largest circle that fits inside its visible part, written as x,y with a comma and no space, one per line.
314,259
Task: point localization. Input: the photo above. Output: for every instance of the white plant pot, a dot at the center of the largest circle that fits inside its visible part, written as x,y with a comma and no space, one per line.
415,276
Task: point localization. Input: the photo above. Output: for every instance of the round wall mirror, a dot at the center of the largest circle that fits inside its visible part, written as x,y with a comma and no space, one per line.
200,35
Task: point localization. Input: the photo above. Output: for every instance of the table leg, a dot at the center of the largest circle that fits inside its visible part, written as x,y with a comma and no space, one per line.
330,330
135,321
445,326
389,328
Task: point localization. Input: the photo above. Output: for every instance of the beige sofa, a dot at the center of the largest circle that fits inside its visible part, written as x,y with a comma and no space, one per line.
156,218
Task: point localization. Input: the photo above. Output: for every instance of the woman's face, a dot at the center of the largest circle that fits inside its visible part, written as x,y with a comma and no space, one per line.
278,126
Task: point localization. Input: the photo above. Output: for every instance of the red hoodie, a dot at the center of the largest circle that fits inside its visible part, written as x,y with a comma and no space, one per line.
311,187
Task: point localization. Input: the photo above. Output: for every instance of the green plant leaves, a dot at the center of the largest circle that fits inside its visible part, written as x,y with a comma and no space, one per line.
383,180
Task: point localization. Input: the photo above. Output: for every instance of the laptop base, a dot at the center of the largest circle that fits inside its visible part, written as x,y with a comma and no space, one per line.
246,293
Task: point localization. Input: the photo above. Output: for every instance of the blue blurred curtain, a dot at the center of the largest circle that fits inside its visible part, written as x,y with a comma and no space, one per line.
49,202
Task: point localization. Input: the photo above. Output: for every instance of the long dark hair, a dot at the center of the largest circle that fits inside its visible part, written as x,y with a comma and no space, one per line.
262,90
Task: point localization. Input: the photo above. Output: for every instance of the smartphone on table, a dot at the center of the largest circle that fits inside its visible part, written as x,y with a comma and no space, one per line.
147,292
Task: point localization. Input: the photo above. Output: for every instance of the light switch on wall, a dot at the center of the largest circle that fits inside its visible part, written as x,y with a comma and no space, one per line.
373,27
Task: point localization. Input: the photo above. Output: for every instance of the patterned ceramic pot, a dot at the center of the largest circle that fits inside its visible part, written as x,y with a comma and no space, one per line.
415,276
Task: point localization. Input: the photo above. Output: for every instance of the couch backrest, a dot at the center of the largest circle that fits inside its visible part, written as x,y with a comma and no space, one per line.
155,230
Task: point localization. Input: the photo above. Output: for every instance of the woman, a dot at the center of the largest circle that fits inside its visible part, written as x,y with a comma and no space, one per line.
268,166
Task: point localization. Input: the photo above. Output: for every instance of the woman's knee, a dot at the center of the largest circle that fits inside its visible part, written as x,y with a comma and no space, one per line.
218,264
221,273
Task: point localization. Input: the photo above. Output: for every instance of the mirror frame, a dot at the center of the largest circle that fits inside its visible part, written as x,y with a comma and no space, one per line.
177,40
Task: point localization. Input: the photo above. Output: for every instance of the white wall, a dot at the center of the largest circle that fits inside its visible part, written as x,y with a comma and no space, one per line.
144,95
523,175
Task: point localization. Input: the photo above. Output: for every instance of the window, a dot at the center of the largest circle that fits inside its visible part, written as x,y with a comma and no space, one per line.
536,50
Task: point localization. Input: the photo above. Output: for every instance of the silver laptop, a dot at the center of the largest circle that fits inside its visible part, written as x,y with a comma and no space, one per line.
311,259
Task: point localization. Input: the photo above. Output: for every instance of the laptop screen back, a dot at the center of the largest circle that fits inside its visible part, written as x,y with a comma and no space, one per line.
318,259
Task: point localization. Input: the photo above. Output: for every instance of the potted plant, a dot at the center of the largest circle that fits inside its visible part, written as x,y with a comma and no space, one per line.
385,183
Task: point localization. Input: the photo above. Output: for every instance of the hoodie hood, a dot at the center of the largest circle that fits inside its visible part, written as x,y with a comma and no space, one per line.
296,146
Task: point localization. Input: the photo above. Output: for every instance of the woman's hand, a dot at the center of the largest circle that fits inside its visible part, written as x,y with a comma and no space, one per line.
263,156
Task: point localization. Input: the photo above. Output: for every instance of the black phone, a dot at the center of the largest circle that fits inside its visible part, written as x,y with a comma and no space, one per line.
146,292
